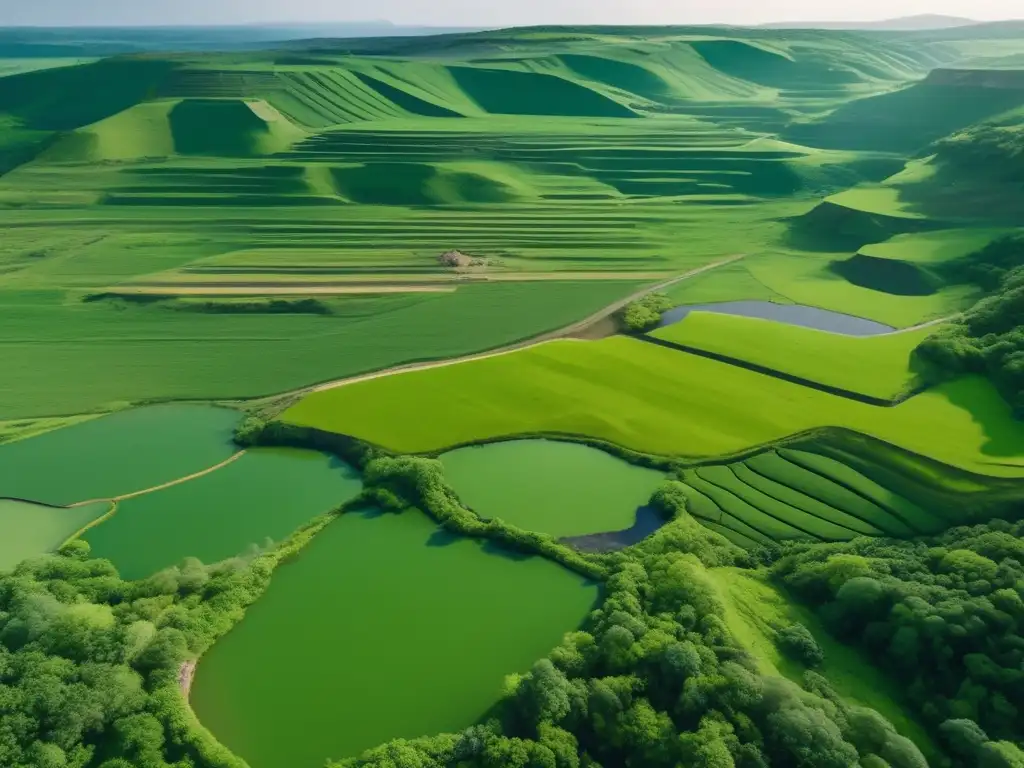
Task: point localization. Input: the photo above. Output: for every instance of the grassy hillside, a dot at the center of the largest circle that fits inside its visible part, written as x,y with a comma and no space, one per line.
880,366
654,400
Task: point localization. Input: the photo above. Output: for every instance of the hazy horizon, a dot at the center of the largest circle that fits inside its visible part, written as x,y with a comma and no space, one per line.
469,13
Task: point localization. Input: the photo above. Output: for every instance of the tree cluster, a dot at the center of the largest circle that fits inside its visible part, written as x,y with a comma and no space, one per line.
89,663
645,313
989,338
945,618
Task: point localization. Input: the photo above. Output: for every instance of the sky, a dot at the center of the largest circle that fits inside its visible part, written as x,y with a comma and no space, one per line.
484,13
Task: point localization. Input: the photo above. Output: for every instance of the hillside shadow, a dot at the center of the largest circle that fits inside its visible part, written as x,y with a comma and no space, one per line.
1003,433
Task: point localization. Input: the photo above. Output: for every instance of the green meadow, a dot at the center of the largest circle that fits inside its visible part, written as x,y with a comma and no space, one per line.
322,666
542,485
259,499
653,400
28,530
115,455
881,366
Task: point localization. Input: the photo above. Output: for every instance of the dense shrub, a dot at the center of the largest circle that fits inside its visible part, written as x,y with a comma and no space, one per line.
797,642
989,338
645,314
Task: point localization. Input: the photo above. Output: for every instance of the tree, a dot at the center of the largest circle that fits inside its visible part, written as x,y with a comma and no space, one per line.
797,642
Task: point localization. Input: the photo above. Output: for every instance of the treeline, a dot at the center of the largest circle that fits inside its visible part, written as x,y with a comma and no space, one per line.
945,618
89,663
989,338
254,306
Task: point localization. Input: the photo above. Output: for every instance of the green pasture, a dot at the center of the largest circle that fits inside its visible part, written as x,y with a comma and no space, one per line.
262,497
334,627
806,277
562,489
12,66
881,366
755,609
119,454
930,248
66,362
654,400
28,530
734,282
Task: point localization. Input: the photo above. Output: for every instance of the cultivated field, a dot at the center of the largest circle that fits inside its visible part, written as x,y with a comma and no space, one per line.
881,367
653,400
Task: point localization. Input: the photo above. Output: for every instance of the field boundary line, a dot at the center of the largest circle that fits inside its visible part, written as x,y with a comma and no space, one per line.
92,524
560,333
163,486
792,378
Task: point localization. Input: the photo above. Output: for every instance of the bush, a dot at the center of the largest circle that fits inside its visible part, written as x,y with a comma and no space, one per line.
797,642
645,314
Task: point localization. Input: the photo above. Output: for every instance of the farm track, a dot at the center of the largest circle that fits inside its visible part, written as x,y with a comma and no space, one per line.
567,331
163,486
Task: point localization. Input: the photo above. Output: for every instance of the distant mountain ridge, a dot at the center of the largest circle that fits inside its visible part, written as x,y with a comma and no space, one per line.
926,21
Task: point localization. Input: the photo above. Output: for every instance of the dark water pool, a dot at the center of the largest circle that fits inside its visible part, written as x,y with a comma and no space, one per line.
791,314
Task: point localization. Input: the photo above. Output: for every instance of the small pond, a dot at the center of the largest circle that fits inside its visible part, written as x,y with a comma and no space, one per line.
790,314
117,454
565,489
383,627
266,494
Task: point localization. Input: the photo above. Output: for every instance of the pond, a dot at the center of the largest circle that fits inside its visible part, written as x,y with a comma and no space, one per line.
28,530
790,314
384,627
266,494
565,489
117,454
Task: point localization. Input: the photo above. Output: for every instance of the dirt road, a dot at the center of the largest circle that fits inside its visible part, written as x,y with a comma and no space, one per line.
559,333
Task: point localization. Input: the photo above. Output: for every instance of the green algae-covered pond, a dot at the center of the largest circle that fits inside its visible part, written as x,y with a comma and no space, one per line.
28,530
384,627
564,489
266,494
118,454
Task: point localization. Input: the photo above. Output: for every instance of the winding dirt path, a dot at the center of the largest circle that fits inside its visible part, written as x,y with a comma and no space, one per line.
569,330
170,484
921,326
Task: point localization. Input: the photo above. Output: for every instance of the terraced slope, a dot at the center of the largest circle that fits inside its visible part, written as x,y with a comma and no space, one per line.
788,494
611,156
